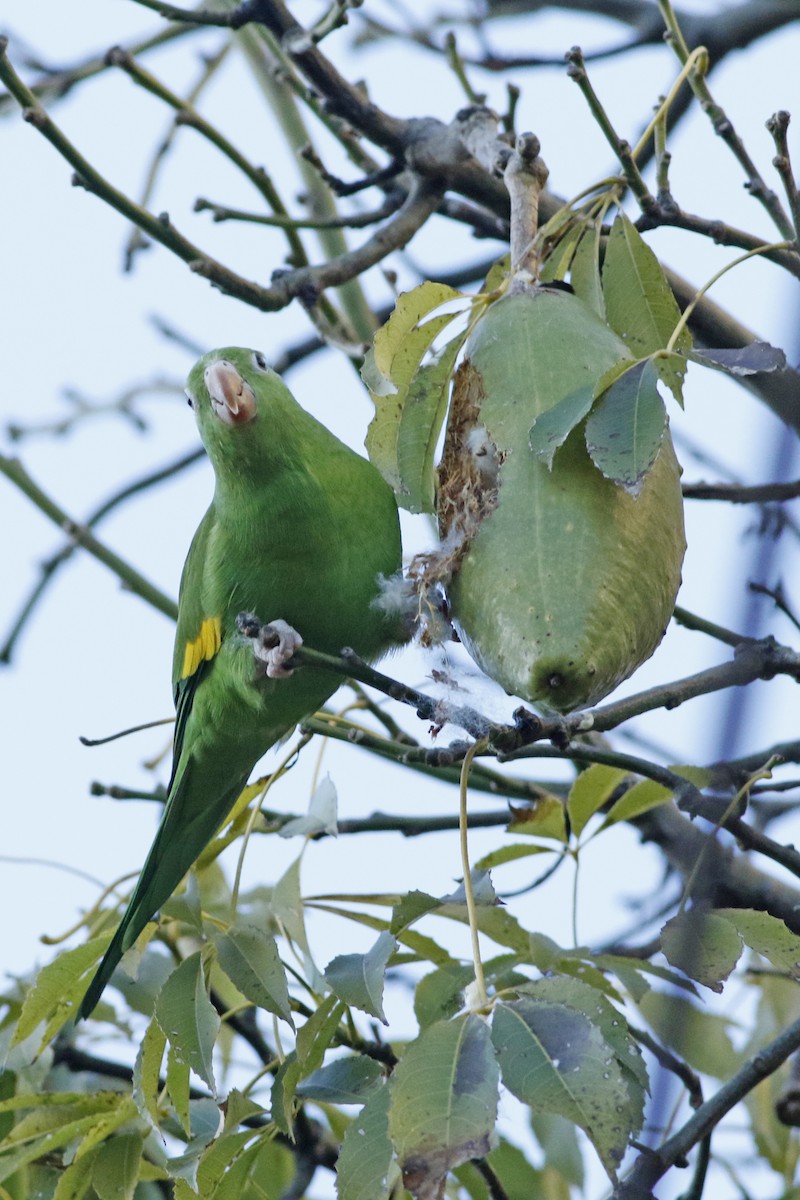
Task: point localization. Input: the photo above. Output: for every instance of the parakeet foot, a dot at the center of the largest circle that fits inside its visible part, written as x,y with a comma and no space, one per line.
274,643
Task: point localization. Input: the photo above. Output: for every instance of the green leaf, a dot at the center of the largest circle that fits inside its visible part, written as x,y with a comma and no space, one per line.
625,428
585,272
552,427
412,906
640,306
262,1171
395,355
544,819
440,994
443,1101
410,400
250,958
358,978
555,1059
512,853
189,1019
767,935
76,1178
559,1140
637,800
703,945
424,412
591,790
560,258
314,1038
146,1072
178,1087
580,994
348,1080
288,908
58,988
362,1168
700,1037
116,1167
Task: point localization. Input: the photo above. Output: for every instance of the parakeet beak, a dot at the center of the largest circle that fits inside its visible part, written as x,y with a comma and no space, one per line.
232,398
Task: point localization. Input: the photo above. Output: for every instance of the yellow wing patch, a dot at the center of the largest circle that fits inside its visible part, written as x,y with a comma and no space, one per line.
203,647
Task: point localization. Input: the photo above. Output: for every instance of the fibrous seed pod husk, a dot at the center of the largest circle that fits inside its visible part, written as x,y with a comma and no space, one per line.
562,582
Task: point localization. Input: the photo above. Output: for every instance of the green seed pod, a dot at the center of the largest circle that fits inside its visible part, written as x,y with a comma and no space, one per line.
562,581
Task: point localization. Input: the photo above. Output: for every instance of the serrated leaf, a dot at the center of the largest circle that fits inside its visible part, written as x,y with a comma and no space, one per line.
767,935
637,800
146,1072
189,1019
348,1080
57,989
116,1167
580,994
552,427
590,791
625,428
358,979
556,1060
640,306
483,892
444,1094
585,272
671,368
742,360
250,958
704,945
362,1168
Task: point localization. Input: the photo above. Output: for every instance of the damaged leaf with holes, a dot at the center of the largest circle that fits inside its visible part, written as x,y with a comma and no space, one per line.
561,579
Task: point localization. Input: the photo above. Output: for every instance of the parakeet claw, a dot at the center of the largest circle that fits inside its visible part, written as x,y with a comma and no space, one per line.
274,643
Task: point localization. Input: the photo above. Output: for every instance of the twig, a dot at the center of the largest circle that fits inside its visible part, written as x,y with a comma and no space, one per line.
622,149
51,566
15,472
188,116
724,127
778,125
737,493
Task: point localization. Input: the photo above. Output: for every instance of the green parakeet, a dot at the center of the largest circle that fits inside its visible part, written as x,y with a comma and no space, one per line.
300,528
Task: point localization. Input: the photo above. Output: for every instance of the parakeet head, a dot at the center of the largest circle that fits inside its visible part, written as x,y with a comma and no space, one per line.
243,409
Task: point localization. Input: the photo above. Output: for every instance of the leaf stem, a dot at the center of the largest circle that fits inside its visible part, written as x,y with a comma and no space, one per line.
687,312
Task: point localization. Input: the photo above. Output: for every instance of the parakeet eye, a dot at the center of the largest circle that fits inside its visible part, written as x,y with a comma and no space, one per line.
189,398
259,361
